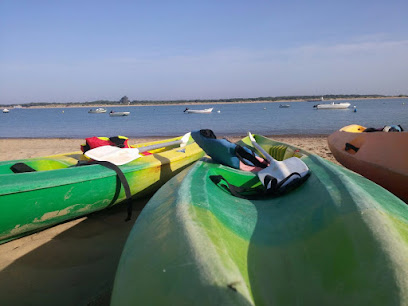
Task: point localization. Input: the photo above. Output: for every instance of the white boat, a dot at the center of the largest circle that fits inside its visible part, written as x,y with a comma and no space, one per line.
99,110
5,110
284,105
198,111
118,114
332,105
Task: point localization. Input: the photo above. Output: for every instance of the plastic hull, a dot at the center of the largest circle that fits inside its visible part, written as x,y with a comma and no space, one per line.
381,157
339,239
57,192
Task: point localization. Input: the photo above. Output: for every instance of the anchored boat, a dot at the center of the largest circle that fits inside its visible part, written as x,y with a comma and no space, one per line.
332,106
99,110
198,111
118,114
338,238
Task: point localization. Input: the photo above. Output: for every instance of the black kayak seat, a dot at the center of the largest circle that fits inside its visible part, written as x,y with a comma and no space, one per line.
21,168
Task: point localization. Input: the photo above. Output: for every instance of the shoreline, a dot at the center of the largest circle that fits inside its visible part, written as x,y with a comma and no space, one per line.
168,136
200,103
22,148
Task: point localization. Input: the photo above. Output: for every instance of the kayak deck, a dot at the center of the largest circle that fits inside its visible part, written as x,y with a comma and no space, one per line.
336,239
58,190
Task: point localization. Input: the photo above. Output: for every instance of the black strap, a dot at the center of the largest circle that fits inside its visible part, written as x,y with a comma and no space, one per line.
278,188
121,177
257,193
239,192
21,168
245,156
350,146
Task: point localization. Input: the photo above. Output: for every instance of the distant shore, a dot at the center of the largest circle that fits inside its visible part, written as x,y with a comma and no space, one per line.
84,105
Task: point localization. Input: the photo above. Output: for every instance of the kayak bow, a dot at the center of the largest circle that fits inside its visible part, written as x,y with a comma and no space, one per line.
337,239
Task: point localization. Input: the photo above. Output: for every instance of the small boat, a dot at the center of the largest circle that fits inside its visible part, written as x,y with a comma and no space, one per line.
40,192
378,155
99,110
118,114
284,105
198,111
5,110
332,105
336,238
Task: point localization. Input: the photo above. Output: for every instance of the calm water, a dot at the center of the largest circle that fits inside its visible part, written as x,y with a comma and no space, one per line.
233,119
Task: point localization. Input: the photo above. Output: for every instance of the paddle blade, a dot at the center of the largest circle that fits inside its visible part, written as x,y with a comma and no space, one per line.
185,139
115,155
281,170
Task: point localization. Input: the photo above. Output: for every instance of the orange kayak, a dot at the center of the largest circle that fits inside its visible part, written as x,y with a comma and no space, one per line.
379,156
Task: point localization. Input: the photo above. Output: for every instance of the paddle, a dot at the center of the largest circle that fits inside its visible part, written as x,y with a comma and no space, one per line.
121,156
283,171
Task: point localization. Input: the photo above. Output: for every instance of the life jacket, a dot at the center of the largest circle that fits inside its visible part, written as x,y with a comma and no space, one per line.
227,153
387,128
94,142
393,128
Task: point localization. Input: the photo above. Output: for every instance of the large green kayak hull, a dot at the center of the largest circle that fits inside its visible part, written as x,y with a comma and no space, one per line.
338,239
57,192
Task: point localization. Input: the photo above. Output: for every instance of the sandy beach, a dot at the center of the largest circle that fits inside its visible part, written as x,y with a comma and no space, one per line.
74,263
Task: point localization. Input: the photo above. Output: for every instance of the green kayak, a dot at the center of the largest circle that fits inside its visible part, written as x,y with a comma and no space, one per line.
40,192
337,239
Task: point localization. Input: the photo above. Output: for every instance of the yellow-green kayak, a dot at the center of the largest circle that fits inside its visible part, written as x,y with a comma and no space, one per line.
57,190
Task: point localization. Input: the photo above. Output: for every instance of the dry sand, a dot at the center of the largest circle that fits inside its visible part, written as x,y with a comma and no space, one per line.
74,263
26,148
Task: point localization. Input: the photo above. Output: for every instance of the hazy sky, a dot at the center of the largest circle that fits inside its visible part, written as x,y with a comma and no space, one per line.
76,51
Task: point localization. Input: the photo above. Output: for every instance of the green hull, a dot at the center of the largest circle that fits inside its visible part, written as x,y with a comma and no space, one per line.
57,192
338,239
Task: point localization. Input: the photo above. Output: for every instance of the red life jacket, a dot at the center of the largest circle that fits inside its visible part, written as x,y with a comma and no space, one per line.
94,142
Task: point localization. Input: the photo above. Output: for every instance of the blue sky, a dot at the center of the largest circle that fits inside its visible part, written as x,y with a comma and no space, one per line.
76,51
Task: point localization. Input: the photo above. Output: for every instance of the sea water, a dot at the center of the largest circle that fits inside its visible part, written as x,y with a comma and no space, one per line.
225,119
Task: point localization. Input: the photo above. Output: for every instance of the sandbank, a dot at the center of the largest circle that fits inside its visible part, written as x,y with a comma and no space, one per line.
74,263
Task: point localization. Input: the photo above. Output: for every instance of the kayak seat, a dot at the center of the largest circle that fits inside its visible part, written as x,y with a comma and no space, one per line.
282,152
33,166
21,168
246,185
278,152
